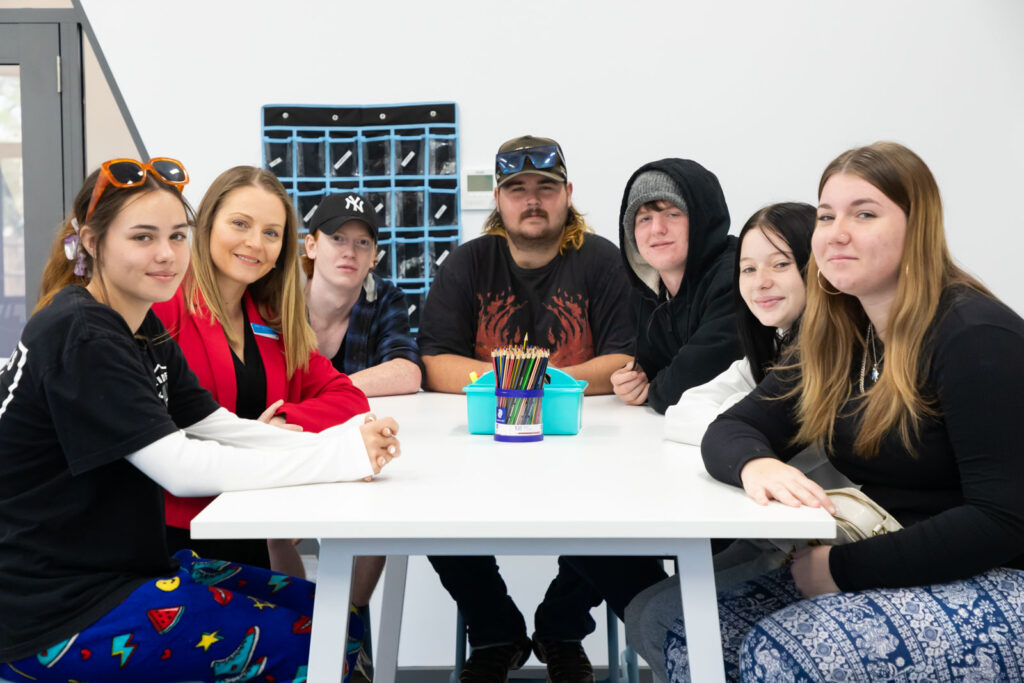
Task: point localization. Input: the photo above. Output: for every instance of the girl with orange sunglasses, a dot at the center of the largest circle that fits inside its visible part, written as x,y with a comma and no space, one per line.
98,413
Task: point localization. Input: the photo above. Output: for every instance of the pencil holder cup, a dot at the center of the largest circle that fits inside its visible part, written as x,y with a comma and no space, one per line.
562,410
517,415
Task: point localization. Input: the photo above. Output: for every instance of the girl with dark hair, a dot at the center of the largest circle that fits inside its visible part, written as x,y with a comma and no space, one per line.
907,373
768,294
769,276
98,413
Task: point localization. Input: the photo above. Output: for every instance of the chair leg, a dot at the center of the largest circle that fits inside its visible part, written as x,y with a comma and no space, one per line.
613,647
632,665
460,646
622,667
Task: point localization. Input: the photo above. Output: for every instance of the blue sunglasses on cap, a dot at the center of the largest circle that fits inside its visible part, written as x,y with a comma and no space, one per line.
546,156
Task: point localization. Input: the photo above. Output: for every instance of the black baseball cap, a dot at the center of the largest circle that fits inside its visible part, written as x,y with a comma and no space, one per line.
338,209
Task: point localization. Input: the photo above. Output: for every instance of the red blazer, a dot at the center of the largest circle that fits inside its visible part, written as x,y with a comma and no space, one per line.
315,398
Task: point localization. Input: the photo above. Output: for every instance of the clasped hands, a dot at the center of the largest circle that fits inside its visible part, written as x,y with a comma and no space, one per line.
379,435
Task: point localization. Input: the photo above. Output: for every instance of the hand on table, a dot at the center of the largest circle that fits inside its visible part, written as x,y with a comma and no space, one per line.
811,572
381,443
268,417
630,384
766,479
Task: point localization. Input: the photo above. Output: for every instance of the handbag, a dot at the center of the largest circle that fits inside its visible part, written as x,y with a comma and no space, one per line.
857,517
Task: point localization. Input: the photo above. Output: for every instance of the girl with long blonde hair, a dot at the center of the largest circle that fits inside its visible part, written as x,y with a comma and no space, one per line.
240,318
907,374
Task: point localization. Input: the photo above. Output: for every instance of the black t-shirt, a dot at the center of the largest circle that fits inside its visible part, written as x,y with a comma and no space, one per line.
577,305
958,494
80,527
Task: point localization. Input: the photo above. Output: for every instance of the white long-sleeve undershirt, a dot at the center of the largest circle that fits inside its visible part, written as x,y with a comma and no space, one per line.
224,452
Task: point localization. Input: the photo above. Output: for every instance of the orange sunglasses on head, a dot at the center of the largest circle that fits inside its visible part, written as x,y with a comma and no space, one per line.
131,173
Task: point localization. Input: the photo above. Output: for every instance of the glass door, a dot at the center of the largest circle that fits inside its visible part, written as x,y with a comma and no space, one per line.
31,167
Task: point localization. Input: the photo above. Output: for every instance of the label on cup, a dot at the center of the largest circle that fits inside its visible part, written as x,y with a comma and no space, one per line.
503,429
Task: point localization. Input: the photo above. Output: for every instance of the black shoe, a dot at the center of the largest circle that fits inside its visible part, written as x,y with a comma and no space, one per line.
566,660
492,664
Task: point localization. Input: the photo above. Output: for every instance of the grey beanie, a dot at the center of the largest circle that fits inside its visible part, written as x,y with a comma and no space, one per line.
649,186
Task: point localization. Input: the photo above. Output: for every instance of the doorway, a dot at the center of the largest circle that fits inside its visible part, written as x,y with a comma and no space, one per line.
41,158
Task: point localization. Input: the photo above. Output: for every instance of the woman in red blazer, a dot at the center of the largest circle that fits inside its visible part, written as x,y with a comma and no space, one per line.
240,319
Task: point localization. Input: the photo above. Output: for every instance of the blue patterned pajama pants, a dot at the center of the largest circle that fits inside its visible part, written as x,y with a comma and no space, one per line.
212,621
970,630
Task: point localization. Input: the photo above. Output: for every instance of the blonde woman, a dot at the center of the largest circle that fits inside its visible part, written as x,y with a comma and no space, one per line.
240,318
908,372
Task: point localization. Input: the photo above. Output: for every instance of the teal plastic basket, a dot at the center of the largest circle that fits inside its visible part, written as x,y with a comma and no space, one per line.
561,410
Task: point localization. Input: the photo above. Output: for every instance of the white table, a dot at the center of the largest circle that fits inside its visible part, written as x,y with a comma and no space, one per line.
617,488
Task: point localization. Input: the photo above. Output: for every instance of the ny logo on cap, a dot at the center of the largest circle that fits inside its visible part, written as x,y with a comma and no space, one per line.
354,202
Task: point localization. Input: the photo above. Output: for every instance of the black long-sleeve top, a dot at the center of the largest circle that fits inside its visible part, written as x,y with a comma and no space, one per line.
959,494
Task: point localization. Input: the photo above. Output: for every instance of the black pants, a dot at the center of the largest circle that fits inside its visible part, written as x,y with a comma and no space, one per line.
493,619
616,579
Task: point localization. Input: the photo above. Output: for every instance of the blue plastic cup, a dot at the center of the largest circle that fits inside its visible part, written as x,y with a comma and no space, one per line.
518,415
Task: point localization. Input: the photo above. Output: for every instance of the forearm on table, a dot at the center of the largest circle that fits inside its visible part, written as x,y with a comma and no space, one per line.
597,372
448,372
390,378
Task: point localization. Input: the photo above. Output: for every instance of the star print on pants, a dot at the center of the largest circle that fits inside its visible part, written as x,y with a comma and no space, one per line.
209,639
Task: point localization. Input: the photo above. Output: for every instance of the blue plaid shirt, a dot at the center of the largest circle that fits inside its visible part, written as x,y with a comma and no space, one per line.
378,331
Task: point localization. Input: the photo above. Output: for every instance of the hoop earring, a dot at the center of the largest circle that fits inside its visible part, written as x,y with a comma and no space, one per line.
823,287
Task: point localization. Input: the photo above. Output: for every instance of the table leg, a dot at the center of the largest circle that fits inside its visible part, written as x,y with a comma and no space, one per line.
330,612
700,611
386,666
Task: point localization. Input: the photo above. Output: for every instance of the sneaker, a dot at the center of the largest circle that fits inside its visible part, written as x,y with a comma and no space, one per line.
492,664
363,672
566,660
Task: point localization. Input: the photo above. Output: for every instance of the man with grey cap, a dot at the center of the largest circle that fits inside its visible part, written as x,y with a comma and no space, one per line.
538,270
673,231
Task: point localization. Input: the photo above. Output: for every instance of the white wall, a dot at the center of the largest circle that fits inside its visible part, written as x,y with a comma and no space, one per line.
765,94
762,93
106,133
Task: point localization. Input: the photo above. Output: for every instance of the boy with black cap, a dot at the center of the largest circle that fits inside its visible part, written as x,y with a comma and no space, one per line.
360,319
673,231
537,271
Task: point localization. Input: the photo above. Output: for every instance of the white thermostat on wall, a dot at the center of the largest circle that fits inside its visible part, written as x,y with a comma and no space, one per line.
478,190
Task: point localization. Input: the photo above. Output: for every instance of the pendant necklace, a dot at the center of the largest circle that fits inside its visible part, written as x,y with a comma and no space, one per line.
876,360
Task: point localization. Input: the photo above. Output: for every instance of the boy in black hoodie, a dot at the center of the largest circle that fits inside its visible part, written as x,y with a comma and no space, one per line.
673,228
673,234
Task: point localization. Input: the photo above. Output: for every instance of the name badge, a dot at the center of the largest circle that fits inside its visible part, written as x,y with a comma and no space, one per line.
264,331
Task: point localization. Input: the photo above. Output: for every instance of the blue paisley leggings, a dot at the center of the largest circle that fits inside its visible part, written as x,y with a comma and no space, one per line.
970,630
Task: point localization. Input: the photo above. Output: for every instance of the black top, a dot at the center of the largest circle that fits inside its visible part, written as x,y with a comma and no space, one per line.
80,527
250,378
959,495
687,340
690,339
575,305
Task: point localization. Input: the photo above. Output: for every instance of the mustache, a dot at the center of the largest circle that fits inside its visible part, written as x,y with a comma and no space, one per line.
533,213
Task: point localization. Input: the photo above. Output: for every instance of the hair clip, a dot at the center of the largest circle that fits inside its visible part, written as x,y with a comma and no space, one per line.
73,250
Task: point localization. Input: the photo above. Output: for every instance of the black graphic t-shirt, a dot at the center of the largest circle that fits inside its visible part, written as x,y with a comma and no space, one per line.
80,526
577,305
